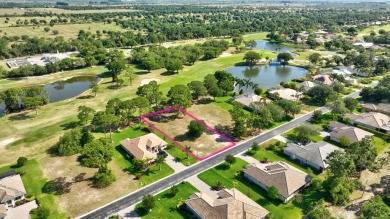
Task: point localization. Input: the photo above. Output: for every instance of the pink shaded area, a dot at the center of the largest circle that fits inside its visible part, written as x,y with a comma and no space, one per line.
169,109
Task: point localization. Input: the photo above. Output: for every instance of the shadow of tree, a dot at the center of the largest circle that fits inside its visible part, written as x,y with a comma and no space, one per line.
20,116
70,125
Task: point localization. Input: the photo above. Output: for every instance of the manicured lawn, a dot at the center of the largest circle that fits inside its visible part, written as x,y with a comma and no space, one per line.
166,204
380,144
33,180
123,160
278,210
326,119
181,156
292,135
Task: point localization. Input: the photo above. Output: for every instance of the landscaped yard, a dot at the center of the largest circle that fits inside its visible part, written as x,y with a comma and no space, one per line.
33,180
292,135
166,204
278,210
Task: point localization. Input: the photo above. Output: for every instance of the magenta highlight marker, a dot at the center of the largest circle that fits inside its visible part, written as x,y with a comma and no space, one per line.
144,118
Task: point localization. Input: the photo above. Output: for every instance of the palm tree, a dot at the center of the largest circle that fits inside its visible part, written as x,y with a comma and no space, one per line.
159,160
247,83
239,82
188,150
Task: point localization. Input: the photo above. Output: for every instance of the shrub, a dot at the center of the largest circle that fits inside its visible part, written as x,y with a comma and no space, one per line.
273,192
21,161
42,213
138,176
174,190
103,178
195,129
255,146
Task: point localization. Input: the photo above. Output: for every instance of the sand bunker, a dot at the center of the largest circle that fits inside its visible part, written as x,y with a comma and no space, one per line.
146,81
225,54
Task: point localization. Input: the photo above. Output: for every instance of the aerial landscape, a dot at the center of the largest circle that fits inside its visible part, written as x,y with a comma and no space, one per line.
225,109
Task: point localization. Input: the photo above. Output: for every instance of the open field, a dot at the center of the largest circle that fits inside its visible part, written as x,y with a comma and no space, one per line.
21,11
175,127
278,210
68,31
166,204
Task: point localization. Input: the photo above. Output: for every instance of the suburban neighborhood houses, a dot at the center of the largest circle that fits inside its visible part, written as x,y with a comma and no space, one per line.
194,109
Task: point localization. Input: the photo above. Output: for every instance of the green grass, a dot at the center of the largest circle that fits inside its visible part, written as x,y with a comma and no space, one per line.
123,159
181,156
292,135
166,204
278,210
326,119
380,144
33,180
255,36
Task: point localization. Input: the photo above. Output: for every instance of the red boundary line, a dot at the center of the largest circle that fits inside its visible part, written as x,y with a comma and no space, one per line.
169,109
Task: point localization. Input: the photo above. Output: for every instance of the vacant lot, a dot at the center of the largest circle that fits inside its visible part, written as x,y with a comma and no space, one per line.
176,128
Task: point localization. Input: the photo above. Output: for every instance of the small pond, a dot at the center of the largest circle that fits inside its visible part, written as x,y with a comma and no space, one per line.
267,76
65,89
266,45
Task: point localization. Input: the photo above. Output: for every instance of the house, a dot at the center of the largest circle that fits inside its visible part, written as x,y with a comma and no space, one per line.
364,44
286,93
286,178
296,39
351,81
231,204
382,108
312,154
330,36
11,189
144,147
305,86
321,32
246,99
353,134
320,41
323,79
372,120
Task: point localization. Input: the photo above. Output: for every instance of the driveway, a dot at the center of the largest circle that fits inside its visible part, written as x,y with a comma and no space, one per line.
22,211
174,164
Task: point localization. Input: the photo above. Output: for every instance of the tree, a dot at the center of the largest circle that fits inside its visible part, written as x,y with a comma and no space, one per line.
148,202
344,141
305,131
363,153
33,103
375,208
187,150
97,154
276,111
85,114
339,87
129,73
239,119
289,106
337,59
338,190
69,144
314,58
351,103
337,107
21,161
215,91
341,164
94,87
284,58
103,178
320,211
198,89
174,65
230,159
105,122
46,29
115,68
252,58
152,92
322,93
139,164
55,32
180,95
160,160
251,44
317,115
42,213
273,193
195,129
237,40
174,190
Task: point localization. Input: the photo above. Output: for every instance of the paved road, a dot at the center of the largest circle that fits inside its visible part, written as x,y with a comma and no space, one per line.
167,182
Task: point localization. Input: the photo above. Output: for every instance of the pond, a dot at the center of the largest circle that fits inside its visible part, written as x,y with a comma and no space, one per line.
65,89
266,45
267,76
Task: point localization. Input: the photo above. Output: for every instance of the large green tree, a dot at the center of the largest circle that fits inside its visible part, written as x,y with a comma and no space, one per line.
180,95
115,68
252,58
97,154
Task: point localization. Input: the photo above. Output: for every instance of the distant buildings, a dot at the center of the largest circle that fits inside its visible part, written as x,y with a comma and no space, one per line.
231,204
144,147
246,99
38,60
382,108
312,154
305,86
323,79
353,134
11,191
287,179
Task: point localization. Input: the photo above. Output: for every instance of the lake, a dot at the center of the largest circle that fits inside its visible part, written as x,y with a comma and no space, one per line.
65,89
267,76
266,45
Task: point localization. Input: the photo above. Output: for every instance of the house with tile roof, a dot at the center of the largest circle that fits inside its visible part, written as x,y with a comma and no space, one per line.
305,86
231,204
323,79
286,93
11,189
382,108
353,134
313,154
372,120
247,99
286,178
144,147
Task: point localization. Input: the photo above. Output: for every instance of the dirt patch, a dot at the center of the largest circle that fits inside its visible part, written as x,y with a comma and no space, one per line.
83,198
225,54
8,141
146,81
176,128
